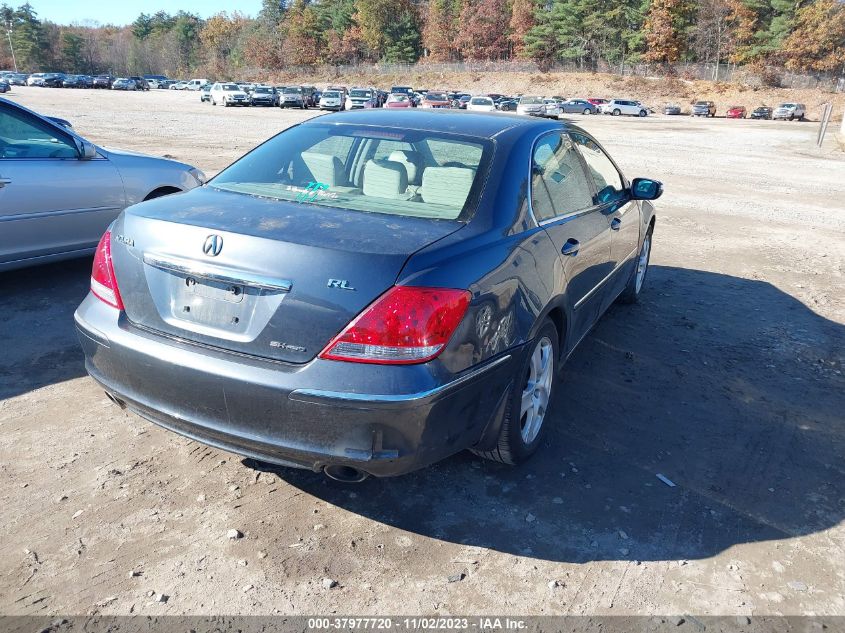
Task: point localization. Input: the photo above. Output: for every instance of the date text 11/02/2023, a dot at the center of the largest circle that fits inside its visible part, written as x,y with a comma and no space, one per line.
418,623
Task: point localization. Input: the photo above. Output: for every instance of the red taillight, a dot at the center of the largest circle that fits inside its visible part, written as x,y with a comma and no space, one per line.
405,325
103,281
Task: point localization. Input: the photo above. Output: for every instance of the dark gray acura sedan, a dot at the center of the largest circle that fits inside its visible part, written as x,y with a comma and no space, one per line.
370,292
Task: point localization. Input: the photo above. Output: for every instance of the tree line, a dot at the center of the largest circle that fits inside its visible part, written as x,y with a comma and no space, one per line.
801,35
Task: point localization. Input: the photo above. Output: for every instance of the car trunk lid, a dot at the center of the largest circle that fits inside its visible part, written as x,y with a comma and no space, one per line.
285,279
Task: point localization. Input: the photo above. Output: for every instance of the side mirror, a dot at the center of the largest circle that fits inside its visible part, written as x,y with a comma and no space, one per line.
646,189
87,151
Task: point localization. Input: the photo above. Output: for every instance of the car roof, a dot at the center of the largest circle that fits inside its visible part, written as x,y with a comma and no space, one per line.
481,124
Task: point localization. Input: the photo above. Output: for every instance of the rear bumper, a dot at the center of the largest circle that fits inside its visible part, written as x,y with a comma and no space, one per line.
383,420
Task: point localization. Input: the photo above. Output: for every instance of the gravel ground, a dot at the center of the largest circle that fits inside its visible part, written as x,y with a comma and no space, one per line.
726,380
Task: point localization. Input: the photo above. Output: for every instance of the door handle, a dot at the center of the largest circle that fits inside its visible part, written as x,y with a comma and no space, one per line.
571,247
4,182
615,223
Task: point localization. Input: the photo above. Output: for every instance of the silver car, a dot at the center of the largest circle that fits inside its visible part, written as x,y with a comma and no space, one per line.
59,192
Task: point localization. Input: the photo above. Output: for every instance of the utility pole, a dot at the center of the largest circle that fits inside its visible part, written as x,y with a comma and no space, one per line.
11,46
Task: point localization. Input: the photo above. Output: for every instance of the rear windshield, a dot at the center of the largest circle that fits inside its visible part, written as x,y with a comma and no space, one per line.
481,101
394,172
436,96
531,100
359,93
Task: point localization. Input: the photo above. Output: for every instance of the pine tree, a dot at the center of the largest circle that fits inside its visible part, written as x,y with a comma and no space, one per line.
28,38
402,40
541,43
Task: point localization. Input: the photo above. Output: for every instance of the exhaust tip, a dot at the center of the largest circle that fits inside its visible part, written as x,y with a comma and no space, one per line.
116,400
345,474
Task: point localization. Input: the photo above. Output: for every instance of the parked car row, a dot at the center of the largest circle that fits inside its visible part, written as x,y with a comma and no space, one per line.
786,111
337,98
302,97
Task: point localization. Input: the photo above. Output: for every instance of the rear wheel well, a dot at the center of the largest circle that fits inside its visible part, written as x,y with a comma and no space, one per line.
162,191
557,317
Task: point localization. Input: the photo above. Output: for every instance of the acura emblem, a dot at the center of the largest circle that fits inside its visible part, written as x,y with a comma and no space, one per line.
213,245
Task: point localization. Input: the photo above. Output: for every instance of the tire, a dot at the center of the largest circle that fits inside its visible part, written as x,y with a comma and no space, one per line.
516,441
791,117
587,111
635,284
617,112
801,118
643,113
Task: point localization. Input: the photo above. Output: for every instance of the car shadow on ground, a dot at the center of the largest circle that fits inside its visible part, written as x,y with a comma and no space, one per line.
38,344
729,388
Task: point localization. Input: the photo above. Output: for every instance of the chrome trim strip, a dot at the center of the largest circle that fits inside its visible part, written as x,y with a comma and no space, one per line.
309,395
608,276
47,214
198,269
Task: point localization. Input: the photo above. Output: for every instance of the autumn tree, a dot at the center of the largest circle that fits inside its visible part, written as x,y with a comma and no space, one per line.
301,42
818,41
346,47
343,43
219,37
742,19
440,32
663,45
484,29
522,21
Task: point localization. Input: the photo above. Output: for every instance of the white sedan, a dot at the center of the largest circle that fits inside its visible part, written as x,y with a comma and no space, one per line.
481,104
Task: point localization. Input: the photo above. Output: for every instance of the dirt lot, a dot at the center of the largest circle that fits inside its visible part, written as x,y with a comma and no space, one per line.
726,379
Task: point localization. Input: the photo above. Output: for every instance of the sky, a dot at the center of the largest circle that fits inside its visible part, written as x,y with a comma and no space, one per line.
122,12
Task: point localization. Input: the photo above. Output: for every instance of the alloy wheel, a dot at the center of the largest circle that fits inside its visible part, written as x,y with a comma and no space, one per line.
537,390
642,262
